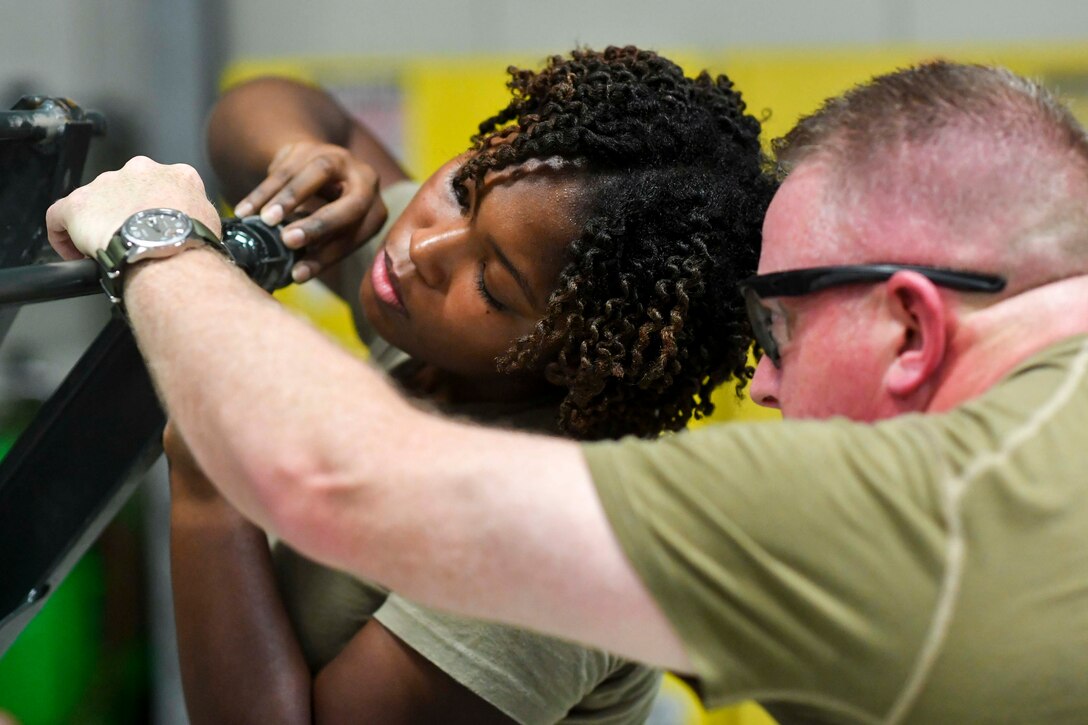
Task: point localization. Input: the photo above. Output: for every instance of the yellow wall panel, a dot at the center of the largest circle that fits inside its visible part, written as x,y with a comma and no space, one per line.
794,82
445,103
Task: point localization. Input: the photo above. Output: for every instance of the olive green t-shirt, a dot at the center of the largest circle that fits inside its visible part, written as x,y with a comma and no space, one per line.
531,678
924,569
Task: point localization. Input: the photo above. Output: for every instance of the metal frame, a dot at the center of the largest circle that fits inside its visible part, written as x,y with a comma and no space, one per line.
84,452
71,470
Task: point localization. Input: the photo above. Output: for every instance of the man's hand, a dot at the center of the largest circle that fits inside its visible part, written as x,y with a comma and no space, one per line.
337,191
83,222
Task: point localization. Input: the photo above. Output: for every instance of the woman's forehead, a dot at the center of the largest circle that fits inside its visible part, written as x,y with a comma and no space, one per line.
557,190
534,220
540,204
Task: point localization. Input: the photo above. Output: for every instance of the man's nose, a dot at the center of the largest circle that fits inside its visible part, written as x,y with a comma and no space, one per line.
764,389
435,251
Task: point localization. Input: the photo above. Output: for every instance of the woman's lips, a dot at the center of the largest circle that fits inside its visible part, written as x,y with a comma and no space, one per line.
386,284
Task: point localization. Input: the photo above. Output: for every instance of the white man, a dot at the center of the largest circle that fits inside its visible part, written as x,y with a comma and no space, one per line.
925,255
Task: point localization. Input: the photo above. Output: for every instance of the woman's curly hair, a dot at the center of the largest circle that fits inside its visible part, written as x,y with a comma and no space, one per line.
646,320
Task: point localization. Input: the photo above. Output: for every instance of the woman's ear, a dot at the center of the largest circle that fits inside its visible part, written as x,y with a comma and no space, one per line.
916,304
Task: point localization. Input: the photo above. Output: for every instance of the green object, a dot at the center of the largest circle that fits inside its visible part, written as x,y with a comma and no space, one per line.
45,673
75,661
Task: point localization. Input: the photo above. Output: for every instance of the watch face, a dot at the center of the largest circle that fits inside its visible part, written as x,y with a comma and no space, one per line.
157,226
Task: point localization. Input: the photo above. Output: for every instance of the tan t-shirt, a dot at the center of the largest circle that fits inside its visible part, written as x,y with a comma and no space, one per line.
925,569
531,678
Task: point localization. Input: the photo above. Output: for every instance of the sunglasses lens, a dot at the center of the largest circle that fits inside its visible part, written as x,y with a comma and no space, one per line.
761,319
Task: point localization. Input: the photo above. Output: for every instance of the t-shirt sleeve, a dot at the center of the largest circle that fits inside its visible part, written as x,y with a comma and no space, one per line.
529,677
794,560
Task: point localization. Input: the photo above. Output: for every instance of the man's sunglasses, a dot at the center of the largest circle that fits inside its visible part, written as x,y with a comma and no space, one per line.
797,282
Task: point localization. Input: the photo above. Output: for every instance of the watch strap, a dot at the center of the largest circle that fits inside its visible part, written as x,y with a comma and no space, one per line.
113,259
203,232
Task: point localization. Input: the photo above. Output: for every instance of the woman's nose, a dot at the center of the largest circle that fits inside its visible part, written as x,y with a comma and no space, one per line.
436,250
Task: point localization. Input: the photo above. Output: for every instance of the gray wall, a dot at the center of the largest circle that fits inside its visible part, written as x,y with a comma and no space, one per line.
434,27
151,64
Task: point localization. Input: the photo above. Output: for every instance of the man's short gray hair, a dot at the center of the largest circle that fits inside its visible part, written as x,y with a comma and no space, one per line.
992,160
915,104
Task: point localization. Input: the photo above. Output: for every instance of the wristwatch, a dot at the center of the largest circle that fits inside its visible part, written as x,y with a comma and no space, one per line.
150,234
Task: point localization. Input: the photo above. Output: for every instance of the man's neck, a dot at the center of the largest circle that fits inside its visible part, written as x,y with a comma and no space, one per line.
993,340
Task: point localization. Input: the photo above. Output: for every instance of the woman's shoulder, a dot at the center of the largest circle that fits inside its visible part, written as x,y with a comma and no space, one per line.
531,677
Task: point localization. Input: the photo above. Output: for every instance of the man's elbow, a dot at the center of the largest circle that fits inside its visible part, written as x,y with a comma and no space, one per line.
315,507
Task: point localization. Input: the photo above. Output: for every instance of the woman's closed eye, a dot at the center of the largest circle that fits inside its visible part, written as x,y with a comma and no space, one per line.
481,287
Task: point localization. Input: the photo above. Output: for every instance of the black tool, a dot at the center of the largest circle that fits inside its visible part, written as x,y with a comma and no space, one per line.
253,245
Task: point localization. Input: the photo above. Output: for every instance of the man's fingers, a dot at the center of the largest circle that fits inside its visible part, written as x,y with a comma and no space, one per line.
56,230
63,245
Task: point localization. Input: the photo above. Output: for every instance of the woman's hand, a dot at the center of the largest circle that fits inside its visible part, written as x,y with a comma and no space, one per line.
337,193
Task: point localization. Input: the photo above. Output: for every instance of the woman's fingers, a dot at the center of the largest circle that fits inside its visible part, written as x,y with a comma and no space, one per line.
344,215
337,195
336,244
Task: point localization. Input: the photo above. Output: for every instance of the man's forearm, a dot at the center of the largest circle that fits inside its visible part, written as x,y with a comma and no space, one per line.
317,447
254,390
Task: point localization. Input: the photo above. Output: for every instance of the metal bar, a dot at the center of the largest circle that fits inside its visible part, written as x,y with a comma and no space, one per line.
45,282
71,470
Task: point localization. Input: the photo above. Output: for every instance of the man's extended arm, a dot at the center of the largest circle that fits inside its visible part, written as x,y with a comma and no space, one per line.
311,444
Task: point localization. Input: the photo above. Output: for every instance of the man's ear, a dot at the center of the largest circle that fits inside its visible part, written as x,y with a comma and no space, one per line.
916,304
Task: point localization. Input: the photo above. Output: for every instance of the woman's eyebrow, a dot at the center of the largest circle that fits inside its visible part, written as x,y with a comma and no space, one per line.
523,283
